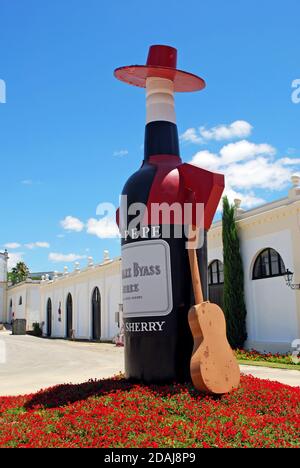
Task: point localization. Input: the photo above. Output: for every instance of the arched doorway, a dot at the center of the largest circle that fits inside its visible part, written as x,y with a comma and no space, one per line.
49,317
69,316
96,315
272,308
216,282
10,316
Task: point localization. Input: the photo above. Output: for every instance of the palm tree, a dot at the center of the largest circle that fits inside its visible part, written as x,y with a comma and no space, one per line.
18,273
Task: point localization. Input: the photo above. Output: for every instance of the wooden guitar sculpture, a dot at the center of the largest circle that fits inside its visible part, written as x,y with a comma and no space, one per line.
214,368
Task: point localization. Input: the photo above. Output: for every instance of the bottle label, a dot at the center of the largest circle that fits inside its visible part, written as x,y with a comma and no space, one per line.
146,279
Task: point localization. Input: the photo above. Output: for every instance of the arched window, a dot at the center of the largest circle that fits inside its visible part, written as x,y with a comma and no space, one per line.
20,300
268,265
216,273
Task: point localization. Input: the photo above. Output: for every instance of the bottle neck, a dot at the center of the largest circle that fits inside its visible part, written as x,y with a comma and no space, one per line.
161,134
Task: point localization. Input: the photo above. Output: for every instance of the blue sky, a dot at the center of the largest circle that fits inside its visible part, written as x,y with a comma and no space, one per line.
70,134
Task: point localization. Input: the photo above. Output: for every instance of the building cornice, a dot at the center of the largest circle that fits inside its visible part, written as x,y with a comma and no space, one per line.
22,284
79,275
266,214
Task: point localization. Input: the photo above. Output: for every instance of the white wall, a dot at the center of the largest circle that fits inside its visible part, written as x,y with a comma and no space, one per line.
30,309
215,254
114,298
81,311
3,286
33,302
3,268
2,303
81,286
272,322
271,305
57,299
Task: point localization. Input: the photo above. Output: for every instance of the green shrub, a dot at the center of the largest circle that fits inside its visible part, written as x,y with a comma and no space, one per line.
37,329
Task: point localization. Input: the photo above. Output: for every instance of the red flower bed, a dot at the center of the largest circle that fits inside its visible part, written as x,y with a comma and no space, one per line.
277,358
116,413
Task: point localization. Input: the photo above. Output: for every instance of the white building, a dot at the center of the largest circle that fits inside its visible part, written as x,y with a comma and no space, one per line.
3,285
84,304
24,302
270,244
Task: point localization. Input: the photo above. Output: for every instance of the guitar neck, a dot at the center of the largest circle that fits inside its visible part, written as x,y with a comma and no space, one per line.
196,280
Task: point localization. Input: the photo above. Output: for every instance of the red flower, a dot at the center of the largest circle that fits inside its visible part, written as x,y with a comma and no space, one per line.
115,413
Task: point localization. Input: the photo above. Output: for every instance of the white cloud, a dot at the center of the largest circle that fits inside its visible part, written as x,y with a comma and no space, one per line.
60,257
232,153
30,245
242,150
259,173
207,160
121,153
289,161
105,228
72,224
41,245
248,167
249,199
30,182
237,129
191,136
27,182
13,259
12,245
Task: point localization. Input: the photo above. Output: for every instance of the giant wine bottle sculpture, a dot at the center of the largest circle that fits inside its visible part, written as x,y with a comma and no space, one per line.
156,278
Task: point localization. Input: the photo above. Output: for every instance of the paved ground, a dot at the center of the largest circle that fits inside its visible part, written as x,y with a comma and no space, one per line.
289,377
34,363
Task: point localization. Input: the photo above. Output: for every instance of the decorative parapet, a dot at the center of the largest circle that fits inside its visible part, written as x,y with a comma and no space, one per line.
106,257
295,191
237,207
90,262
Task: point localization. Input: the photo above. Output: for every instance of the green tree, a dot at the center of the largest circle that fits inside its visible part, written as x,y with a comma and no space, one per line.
18,273
234,299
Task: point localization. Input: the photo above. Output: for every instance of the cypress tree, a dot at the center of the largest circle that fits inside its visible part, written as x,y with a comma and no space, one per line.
234,300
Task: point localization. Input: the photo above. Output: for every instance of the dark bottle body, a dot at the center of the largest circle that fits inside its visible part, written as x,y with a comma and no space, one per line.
158,345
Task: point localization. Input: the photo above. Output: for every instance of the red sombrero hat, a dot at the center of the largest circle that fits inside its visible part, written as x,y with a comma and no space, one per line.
161,63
